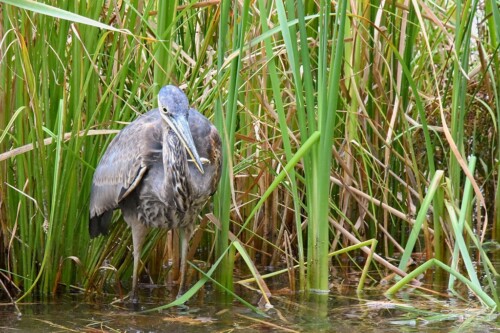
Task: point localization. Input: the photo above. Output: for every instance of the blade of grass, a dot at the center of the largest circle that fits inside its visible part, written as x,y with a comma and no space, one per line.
275,83
421,219
45,9
480,294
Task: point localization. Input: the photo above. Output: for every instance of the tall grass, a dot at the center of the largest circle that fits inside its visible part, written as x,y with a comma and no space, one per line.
493,66
343,123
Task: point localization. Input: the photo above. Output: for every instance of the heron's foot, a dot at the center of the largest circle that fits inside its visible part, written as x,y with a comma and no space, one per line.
129,300
134,304
179,294
183,306
134,298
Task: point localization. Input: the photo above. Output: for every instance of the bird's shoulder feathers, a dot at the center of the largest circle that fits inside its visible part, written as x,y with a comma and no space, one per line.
125,162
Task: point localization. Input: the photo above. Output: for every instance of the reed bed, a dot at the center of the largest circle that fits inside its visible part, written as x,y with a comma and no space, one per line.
350,129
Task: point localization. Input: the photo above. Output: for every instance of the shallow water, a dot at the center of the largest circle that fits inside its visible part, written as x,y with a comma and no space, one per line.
292,313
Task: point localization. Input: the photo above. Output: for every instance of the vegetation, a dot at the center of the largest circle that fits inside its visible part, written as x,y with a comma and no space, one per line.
350,128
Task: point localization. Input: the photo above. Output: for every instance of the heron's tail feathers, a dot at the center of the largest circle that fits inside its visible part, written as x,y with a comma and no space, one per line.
99,225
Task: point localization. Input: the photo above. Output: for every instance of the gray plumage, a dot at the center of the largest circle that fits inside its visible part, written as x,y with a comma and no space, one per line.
160,170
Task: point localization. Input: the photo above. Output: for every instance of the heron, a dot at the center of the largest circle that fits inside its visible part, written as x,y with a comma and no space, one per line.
159,170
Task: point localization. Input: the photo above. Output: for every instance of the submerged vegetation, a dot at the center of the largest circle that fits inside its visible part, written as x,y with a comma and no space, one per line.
356,133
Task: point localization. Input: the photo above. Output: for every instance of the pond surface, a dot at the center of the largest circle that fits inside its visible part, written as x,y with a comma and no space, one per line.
290,313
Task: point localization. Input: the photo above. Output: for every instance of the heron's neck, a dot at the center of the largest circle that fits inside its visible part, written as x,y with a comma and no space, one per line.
174,164
174,153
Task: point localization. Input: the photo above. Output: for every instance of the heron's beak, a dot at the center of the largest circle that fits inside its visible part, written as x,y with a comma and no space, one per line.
181,128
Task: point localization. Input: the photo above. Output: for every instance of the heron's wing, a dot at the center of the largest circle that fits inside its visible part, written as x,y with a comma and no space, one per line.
125,162
208,144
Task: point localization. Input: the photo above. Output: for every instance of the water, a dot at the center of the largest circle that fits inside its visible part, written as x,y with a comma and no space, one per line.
373,312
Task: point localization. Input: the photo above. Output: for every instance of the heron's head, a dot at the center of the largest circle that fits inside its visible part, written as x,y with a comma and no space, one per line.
174,110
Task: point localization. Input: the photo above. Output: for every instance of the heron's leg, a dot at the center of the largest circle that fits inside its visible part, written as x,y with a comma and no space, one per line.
185,236
139,232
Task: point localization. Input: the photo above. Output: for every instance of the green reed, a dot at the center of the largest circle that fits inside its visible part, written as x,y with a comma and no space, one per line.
493,45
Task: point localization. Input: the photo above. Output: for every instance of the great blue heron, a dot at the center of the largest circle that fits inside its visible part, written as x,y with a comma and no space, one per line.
160,170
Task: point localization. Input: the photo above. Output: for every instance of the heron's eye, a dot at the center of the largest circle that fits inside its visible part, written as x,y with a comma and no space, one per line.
165,111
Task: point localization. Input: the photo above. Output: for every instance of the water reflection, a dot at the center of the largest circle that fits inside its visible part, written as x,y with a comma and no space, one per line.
291,313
